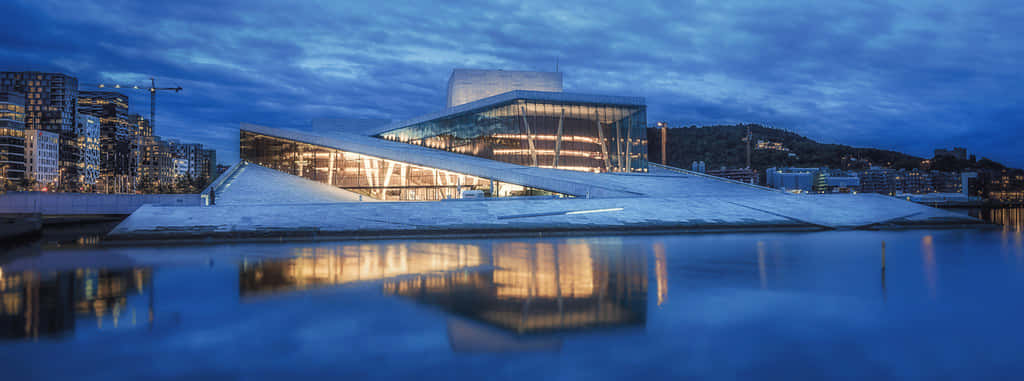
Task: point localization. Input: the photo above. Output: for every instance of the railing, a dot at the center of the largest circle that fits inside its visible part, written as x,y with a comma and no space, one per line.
217,185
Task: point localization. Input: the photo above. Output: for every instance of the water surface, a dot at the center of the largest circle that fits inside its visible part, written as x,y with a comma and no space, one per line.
721,306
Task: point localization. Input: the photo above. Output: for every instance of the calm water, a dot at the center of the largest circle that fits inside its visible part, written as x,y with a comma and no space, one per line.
737,306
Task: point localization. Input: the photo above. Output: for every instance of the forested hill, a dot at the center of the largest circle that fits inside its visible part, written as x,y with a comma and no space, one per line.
720,146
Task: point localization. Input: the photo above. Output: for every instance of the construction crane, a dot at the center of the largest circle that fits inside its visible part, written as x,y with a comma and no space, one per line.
152,95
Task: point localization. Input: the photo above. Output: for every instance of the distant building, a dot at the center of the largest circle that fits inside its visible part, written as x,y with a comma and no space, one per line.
834,181
1005,185
878,180
743,175
87,131
946,182
914,182
181,168
50,105
970,184
140,124
208,165
155,164
42,157
797,180
198,159
468,85
49,98
771,146
12,136
118,132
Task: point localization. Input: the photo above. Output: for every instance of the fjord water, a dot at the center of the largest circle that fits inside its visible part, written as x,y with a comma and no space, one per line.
720,306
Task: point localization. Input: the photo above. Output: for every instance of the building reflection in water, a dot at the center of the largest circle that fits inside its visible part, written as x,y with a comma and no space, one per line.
516,287
34,304
1012,221
322,266
502,295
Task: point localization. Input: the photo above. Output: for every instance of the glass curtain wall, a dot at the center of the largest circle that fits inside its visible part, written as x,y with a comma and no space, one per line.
370,176
12,140
12,154
573,136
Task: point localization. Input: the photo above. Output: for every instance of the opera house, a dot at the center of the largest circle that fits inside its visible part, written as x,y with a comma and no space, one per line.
510,154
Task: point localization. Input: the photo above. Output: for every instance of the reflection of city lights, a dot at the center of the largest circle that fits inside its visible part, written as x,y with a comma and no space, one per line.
928,253
347,264
46,307
661,272
760,264
539,286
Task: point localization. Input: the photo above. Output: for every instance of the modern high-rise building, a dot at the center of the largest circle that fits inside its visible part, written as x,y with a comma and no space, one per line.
197,159
190,153
87,131
208,164
50,105
180,168
468,85
155,164
42,157
49,98
118,132
140,124
12,137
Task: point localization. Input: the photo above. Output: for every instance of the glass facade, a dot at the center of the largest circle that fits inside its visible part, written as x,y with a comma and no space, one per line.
12,137
12,154
549,134
374,177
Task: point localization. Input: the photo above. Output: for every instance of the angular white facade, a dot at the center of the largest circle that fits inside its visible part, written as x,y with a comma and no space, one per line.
41,154
467,85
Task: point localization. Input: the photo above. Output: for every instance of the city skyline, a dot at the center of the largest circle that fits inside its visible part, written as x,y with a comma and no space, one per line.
911,77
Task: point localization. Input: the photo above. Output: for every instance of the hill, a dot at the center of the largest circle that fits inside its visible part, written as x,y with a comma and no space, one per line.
720,146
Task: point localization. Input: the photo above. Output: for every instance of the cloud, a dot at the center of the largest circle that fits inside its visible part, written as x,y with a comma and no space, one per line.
911,75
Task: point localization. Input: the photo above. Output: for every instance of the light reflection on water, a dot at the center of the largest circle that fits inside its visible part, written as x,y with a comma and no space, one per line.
519,287
755,304
38,304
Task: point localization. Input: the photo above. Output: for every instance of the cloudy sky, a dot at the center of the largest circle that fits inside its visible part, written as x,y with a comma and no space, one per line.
908,75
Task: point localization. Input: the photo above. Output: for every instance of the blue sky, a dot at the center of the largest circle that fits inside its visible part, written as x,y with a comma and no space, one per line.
908,75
